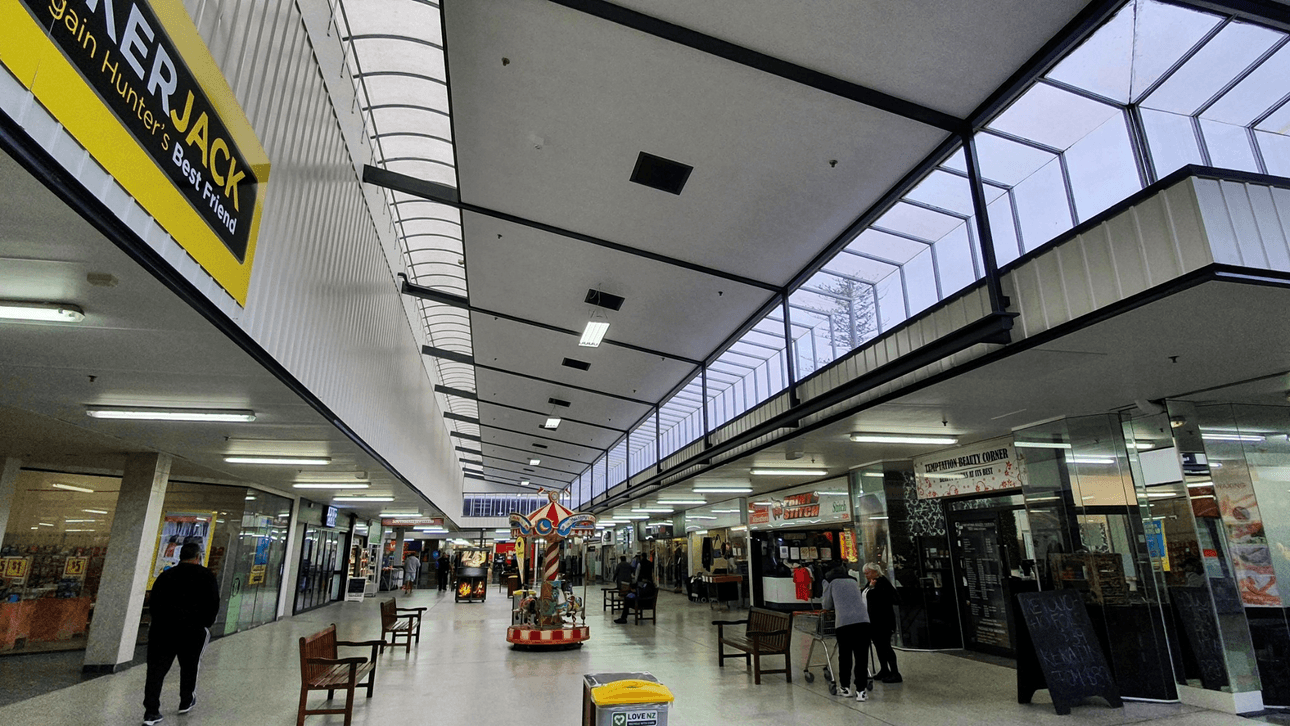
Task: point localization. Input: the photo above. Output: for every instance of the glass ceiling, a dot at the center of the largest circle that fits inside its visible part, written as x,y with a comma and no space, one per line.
394,57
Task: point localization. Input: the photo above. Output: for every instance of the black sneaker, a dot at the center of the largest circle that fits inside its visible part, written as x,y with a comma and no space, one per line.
151,718
191,704
893,678
621,622
881,674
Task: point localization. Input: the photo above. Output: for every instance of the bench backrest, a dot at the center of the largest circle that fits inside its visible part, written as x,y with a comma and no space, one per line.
768,620
389,614
321,644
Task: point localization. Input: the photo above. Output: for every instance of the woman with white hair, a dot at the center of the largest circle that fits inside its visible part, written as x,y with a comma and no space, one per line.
880,601
851,627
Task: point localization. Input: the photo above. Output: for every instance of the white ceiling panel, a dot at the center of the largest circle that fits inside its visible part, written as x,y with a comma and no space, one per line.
545,277
553,133
945,55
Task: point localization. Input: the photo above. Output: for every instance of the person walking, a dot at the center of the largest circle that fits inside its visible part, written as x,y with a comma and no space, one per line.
441,573
851,626
623,573
184,602
880,601
411,571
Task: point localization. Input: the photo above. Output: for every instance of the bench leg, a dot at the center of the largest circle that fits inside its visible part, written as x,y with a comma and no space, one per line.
304,701
721,654
788,662
349,704
331,693
756,659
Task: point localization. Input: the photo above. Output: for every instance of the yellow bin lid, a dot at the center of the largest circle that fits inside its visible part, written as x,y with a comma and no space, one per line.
630,691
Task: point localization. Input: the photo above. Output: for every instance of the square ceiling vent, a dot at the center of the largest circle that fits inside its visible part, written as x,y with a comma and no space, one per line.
659,173
579,364
603,299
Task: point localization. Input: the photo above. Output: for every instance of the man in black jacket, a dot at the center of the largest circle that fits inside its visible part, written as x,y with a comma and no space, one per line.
881,598
185,599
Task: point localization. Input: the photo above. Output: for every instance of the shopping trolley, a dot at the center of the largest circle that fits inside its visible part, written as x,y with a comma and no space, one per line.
819,625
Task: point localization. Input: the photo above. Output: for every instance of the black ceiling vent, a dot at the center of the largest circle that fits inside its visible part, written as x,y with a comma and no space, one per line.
557,402
580,365
604,299
540,446
527,469
659,173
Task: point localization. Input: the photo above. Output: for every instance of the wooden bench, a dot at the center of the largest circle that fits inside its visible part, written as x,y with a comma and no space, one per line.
406,625
766,633
641,604
322,670
613,599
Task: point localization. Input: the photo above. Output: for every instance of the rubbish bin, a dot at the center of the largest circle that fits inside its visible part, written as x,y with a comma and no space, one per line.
624,699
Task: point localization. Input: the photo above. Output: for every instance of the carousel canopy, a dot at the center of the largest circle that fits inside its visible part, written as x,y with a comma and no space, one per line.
552,520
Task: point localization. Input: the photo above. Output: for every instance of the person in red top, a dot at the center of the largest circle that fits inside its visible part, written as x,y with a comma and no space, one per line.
802,582
185,600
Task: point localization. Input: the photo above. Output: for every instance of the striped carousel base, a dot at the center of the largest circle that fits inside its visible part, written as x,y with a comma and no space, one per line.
523,635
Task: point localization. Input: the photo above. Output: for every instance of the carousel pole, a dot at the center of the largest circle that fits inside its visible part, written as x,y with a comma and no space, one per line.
551,563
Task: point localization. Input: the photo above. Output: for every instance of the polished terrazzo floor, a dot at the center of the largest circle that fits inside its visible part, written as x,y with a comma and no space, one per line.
463,672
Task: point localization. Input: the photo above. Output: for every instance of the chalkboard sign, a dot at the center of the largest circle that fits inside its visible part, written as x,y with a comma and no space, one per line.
1057,650
1200,634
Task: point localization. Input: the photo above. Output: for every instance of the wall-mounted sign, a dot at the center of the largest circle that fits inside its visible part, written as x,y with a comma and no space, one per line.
413,522
16,567
75,567
133,82
820,503
257,574
983,467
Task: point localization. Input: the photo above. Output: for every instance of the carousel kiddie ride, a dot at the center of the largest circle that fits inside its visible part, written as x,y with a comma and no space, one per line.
549,617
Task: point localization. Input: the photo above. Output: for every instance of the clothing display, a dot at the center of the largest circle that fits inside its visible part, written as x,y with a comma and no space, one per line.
802,582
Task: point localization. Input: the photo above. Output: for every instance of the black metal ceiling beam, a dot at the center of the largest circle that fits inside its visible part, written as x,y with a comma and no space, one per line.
459,417
447,195
544,415
459,393
570,386
543,455
764,63
468,451
447,354
468,437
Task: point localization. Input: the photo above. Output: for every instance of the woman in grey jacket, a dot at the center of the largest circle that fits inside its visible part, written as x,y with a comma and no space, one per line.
851,621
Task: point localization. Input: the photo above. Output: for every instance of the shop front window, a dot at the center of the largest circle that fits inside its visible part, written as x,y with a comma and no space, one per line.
52,558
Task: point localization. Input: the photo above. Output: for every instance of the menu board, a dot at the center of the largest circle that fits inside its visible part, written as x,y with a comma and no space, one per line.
1058,650
986,604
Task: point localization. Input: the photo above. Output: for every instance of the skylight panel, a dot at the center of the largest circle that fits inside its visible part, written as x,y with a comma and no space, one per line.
1053,117
1278,122
944,190
1222,59
1254,96
1163,34
1103,64
1008,162
852,265
885,247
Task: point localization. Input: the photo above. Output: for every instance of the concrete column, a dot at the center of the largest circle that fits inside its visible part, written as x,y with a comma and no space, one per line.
291,562
135,526
400,535
8,486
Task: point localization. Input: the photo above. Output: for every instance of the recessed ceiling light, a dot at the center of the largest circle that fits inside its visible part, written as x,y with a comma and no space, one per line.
362,499
338,476
1090,460
659,173
45,524
789,472
581,365
726,511
728,489
1040,445
71,487
400,514
524,482
1243,438
552,423
95,511
594,334
151,413
40,312
534,462
330,485
682,501
659,510
278,460
698,516
904,439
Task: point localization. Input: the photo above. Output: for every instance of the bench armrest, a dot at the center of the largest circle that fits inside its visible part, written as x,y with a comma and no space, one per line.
336,661
359,642
412,610
764,633
729,622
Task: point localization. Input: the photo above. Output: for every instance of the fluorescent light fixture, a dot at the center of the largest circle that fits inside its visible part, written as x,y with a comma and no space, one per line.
631,516
45,524
250,498
594,333
787,472
95,511
729,489
71,487
882,517
725,511
148,413
534,462
873,474
659,510
362,499
763,504
279,460
393,515
1199,484
40,312
682,501
1242,438
551,422
329,485
78,521
1090,460
1143,445
78,530
338,476
904,439
501,531
698,516
696,530
524,482
604,525
1159,495
1040,445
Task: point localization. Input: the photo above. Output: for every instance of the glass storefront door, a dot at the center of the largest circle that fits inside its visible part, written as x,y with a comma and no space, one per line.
319,558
